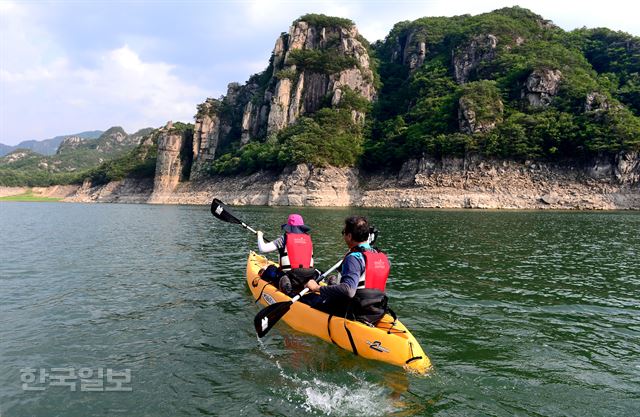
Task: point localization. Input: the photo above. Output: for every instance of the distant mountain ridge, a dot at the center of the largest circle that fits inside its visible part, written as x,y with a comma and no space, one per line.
75,155
47,146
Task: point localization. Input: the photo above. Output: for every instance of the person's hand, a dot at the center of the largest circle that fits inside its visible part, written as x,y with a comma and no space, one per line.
312,285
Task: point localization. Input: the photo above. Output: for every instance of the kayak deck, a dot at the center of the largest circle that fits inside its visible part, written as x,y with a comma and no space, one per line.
389,341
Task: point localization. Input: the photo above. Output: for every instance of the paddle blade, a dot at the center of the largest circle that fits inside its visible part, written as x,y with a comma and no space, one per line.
269,316
219,210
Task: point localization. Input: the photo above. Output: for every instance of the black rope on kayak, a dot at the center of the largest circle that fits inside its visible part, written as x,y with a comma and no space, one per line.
353,345
412,358
329,329
344,323
393,323
415,358
261,291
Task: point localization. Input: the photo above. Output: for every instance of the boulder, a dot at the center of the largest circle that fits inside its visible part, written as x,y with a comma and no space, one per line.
541,86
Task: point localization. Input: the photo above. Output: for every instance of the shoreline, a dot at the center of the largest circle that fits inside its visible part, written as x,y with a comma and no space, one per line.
485,185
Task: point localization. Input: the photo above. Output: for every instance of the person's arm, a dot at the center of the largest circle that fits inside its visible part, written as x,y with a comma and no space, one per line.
351,270
266,247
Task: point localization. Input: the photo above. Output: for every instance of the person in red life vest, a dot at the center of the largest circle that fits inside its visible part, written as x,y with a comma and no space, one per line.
295,250
365,270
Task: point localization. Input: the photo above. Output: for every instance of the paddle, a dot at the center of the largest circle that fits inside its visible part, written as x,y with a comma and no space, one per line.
269,316
222,212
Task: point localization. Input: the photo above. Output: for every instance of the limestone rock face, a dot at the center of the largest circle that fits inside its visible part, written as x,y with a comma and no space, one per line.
278,116
271,101
541,86
172,146
206,134
305,185
627,168
410,49
470,182
466,59
304,93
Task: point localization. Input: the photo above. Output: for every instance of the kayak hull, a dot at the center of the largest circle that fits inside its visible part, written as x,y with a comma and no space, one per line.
388,342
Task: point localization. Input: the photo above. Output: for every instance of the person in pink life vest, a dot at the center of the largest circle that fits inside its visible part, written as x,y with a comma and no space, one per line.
295,250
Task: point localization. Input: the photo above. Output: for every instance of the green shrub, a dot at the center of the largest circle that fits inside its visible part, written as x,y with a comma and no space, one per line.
288,73
352,100
139,163
321,20
330,137
324,61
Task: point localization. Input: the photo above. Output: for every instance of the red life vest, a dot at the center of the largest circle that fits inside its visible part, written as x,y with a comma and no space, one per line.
376,270
298,251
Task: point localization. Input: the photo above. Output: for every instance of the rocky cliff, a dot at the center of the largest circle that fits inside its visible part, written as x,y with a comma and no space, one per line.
173,162
472,182
312,65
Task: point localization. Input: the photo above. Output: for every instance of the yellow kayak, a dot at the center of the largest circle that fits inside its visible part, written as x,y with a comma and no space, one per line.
388,342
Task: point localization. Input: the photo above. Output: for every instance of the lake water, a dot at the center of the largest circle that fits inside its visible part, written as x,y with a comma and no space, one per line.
522,313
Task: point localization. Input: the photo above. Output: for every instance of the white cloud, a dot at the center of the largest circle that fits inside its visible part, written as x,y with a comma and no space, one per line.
149,89
43,92
121,89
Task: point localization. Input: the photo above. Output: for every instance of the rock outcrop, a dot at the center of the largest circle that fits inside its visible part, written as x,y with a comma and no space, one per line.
627,168
468,58
114,140
541,86
18,155
206,134
300,87
171,163
599,103
309,65
70,143
410,48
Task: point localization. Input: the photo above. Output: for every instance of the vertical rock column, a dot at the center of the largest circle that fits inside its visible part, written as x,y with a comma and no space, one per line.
169,166
205,142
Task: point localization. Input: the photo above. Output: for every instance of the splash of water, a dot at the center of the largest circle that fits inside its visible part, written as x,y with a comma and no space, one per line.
359,397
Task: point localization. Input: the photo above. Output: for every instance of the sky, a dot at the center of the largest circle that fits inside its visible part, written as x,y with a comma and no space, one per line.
71,66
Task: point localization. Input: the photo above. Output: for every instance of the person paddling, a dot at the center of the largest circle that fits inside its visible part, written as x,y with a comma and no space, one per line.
295,250
364,274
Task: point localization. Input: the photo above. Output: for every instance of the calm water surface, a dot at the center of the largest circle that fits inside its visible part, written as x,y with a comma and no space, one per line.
522,313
